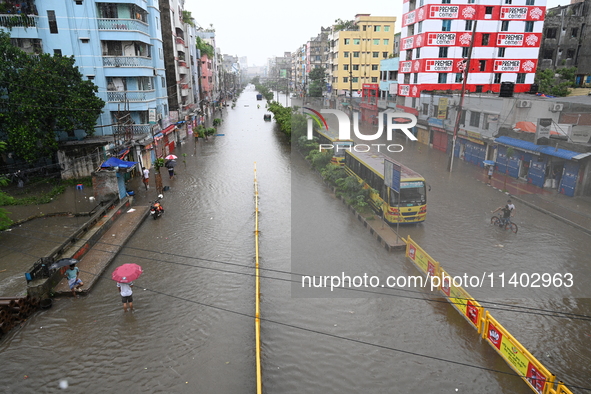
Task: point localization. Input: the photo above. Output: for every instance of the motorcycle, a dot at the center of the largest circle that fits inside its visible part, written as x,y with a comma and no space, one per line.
156,208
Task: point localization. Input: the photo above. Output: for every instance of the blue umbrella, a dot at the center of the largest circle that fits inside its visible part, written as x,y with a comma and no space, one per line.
489,162
62,263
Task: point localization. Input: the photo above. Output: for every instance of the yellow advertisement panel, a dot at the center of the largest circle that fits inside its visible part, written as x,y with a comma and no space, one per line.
418,256
442,108
460,299
518,358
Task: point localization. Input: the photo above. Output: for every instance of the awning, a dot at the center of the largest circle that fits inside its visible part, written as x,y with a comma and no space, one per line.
530,127
545,149
115,162
169,129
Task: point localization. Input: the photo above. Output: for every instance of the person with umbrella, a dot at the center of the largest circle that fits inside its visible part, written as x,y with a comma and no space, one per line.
74,281
124,275
170,165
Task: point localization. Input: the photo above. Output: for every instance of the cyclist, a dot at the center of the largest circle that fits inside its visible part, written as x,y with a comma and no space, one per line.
507,211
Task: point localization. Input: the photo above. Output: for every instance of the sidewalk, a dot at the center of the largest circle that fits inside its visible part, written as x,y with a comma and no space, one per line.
575,211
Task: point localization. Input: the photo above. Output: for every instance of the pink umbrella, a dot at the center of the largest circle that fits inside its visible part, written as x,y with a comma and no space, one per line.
171,157
126,273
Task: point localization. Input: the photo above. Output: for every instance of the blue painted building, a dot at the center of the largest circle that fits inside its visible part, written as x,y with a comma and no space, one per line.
116,44
389,78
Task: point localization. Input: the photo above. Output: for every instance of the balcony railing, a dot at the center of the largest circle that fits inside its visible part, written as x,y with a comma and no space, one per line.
131,95
127,61
10,21
134,128
122,24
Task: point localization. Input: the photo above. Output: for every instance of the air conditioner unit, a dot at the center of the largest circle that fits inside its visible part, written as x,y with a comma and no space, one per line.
556,107
523,104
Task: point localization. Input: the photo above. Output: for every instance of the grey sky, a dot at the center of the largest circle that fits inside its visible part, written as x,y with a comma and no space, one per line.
261,29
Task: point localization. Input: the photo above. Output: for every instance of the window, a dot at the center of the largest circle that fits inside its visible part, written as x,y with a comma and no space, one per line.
520,78
374,67
375,54
471,1
163,82
374,79
418,53
425,109
355,67
355,54
345,67
442,78
435,110
57,52
508,2
377,28
574,32
356,41
364,27
551,32
346,41
459,77
386,27
485,38
505,26
465,51
354,79
446,25
443,52
385,55
52,22
548,54
501,52
445,1
497,78
529,2
415,78
345,79
529,26
345,54
488,11
479,88
468,25
420,27
474,119
463,117
376,41
386,41
570,53
482,65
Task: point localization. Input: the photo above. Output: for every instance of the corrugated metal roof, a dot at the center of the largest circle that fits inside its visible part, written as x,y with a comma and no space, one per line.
545,149
523,145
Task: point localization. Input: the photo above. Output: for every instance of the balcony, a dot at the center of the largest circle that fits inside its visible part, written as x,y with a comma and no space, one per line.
135,129
127,61
19,20
131,96
122,25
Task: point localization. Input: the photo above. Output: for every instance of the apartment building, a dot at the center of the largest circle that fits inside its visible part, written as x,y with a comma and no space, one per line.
501,40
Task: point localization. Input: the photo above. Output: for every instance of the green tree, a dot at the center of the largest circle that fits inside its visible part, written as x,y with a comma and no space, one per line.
548,83
43,95
343,25
204,47
317,81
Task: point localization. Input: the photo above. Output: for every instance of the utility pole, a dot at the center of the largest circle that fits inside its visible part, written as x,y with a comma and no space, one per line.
465,73
351,84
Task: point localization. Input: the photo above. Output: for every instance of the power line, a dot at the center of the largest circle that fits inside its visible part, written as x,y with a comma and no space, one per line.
423,296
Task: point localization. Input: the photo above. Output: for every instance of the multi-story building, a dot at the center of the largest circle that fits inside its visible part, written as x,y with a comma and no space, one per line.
565,30
176,29
436,39
117,45
356,52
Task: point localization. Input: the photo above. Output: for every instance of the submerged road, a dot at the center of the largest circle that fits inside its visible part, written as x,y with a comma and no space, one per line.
193,328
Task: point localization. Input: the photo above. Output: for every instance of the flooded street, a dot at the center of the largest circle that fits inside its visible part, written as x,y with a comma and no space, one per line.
193,328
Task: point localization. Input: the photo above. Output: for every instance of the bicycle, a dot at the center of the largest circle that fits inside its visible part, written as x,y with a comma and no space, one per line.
497,220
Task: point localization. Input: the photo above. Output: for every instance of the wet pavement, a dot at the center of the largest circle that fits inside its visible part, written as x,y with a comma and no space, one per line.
192,329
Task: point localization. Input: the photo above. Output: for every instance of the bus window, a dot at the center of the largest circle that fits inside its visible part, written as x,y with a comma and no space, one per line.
413,193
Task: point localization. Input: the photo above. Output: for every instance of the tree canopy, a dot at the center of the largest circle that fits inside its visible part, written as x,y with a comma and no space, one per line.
343,25
40,96
317,81
204,47
548,83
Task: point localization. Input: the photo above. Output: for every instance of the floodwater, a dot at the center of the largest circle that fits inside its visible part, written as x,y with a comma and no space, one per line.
193,327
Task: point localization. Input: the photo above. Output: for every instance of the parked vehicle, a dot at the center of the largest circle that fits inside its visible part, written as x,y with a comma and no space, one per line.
156,208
